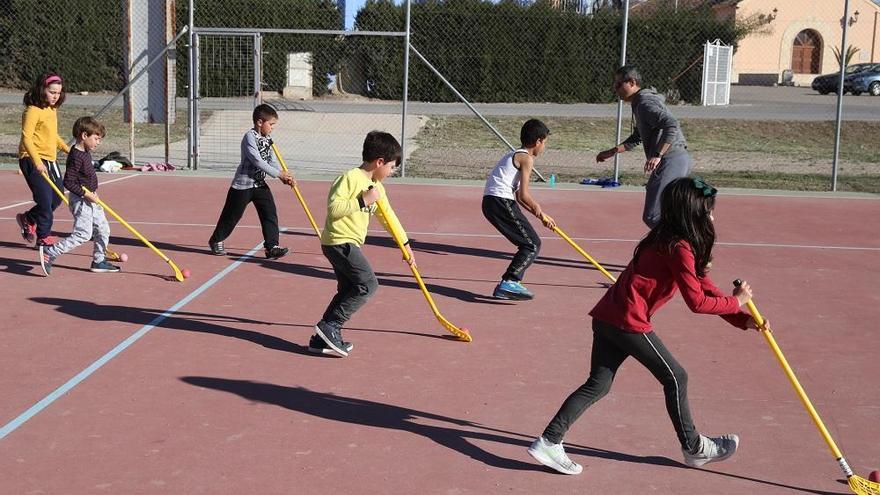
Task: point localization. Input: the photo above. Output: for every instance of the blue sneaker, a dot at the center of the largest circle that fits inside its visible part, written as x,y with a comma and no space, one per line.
104,267
511,289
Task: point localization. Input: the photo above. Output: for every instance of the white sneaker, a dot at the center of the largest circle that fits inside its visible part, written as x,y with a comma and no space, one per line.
553,456
712,450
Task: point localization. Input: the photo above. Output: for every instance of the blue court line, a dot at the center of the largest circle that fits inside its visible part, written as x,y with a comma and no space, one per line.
82,375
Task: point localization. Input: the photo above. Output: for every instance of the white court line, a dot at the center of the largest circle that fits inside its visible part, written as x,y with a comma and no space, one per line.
498,236
82,375
16,205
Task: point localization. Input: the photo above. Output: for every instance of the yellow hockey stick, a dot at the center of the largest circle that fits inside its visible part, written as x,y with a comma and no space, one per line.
462,333
299,196
584,253
857,484
177,273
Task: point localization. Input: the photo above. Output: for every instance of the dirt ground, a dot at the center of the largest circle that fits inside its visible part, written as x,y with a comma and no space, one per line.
572,166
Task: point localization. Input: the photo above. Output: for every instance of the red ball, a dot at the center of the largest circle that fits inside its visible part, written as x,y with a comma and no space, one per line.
185,272
874,476
123,257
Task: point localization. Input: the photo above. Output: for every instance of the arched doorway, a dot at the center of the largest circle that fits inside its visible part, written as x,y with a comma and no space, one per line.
806,52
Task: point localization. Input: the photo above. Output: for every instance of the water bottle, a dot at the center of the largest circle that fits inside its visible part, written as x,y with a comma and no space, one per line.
552,180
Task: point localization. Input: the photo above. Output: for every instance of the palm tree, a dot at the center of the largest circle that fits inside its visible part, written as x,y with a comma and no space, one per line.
847,57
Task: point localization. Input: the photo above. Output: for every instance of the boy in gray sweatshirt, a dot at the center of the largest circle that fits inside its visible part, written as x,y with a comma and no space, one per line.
658,131
249,186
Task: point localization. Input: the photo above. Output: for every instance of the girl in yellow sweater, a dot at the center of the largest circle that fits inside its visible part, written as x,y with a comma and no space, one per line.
38,154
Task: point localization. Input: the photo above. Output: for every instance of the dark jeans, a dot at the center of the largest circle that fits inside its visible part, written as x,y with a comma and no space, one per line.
505,215
355,282
46,199
672,166
611,346
236,201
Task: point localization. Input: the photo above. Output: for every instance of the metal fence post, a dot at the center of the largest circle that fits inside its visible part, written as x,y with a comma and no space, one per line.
838,119
190,121
405,92
619,101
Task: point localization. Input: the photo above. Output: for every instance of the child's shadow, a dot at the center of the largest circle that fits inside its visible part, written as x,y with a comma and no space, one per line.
452,433
439,248
442,430
179,320
327,273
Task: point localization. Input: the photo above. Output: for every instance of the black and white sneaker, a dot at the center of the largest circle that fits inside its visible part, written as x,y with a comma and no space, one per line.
217,248
275,252
331,336
318,346
45,261
711,450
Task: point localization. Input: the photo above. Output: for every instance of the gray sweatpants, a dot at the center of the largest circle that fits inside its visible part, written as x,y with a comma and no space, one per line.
355,282
672,166
89,223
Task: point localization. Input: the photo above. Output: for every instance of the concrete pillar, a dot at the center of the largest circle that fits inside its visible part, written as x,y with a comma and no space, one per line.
149,25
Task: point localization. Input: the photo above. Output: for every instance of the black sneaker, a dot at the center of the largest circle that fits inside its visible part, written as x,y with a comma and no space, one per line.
275,252
104,267
331,336
317,346
45,261
217,248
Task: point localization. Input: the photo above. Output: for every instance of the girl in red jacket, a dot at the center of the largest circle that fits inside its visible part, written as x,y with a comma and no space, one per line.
675,255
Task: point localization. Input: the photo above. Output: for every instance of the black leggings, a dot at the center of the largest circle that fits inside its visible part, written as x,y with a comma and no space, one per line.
611,346
505,215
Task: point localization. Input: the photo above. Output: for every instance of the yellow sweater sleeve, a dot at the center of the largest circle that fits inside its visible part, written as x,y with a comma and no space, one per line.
39,135
342,200
391,222
30,120
62,145
346,220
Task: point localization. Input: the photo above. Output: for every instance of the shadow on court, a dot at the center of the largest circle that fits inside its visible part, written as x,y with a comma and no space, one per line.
452,433
327,273
179,320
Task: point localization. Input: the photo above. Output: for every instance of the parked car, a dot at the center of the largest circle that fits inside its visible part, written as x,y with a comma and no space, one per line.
864,81
827,83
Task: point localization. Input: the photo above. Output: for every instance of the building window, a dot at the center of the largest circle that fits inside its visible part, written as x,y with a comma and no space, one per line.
806,53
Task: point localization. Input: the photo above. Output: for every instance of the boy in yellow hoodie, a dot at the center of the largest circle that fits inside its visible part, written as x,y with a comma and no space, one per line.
350,203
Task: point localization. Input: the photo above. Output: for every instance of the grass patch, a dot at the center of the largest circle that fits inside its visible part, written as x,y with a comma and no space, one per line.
731,153
117,129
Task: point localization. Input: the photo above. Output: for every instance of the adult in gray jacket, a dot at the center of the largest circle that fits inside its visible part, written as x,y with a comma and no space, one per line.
665,148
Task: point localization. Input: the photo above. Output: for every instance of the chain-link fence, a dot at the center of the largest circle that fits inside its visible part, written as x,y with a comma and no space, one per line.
337,70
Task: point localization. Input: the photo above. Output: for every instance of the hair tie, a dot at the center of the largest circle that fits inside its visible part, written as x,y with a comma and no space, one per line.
704,187
52,79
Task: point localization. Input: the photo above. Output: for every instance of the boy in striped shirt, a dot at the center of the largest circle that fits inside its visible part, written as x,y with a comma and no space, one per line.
89,221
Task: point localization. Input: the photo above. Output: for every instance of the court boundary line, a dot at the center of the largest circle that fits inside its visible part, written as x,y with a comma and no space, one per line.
498,236
565,187
46,401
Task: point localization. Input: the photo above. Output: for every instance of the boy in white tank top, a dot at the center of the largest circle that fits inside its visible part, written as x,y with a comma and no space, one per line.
507,187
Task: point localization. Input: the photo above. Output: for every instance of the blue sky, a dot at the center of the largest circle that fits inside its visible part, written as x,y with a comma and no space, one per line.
351,8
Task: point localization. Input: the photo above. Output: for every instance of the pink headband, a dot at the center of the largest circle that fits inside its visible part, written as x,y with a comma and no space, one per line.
53,79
